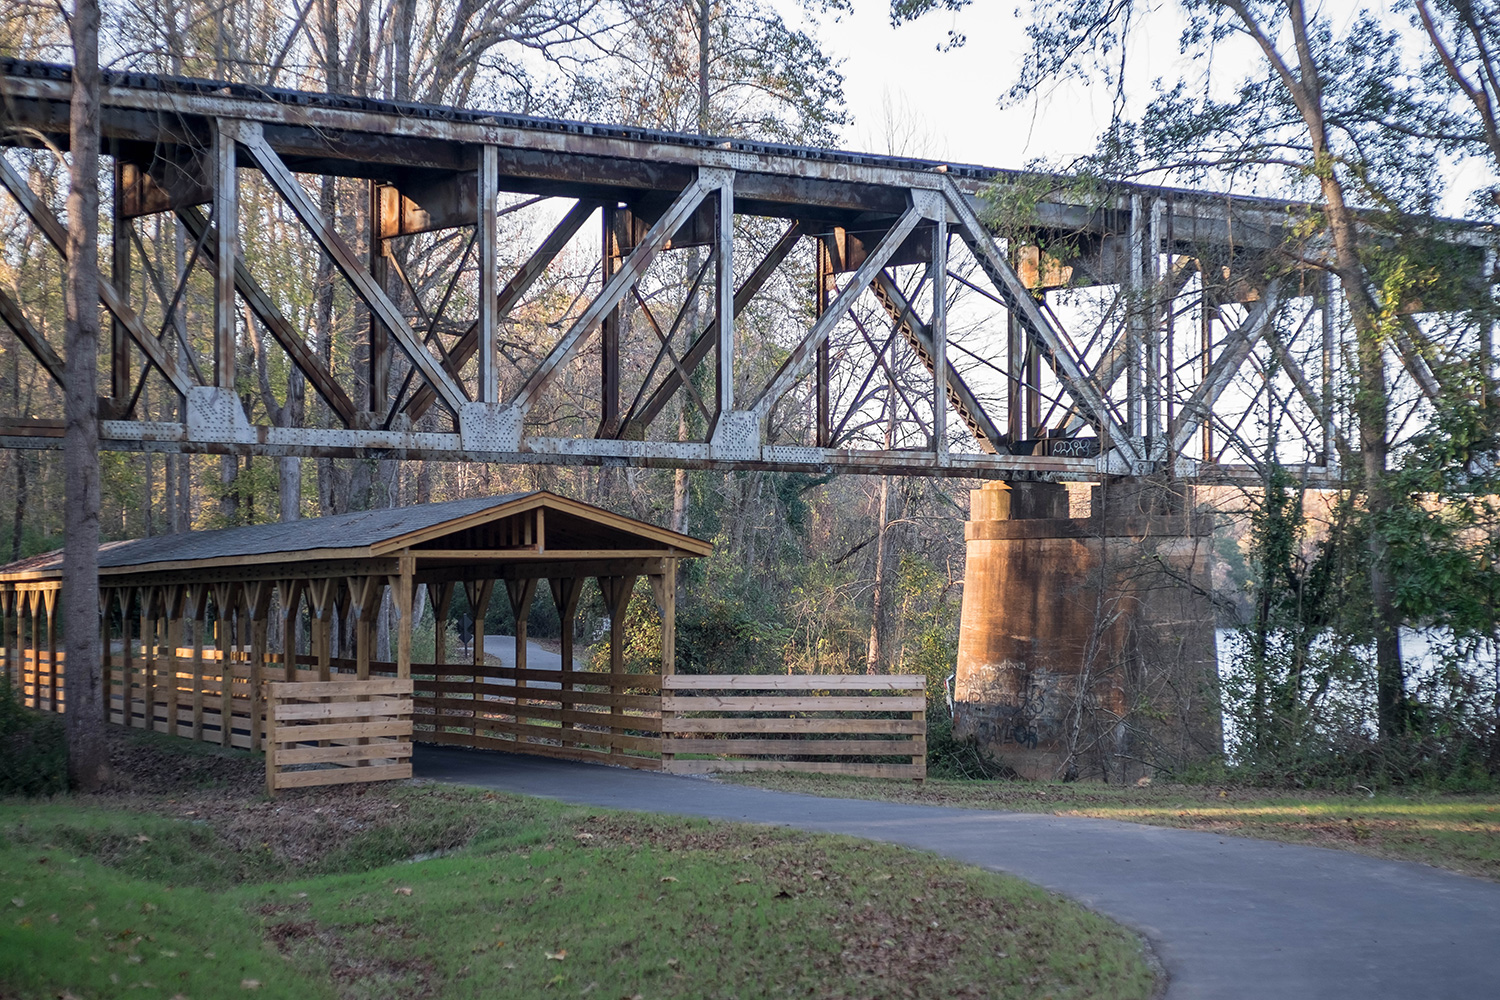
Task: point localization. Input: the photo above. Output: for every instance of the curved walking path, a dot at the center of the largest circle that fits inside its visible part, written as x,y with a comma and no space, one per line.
1228,917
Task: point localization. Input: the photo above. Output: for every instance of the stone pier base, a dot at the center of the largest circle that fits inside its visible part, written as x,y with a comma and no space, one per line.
1086,648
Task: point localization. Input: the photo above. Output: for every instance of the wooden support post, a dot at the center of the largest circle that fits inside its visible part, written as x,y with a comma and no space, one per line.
258,603
107,679
226,596
289,593
321,607
174,597
405,585
478,592
49,606
664,590
565,593
7,602
197,604
521,593
616,591
146,596
365,593
127,656
441,595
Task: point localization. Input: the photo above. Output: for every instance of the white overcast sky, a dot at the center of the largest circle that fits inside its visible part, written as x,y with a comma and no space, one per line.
948,102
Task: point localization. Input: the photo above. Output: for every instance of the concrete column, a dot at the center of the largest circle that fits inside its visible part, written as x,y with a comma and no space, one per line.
1086,646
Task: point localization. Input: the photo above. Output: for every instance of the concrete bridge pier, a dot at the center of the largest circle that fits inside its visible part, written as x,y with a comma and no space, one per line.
1086,647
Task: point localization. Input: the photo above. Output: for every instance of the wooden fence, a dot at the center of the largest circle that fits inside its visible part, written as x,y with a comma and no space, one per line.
684,724
606,718
361,727
750,722
40,679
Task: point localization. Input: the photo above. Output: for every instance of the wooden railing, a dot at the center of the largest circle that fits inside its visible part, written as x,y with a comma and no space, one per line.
40,679
608,718
362,728
748,722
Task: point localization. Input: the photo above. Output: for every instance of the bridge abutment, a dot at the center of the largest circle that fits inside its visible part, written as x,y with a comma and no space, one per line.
1086,647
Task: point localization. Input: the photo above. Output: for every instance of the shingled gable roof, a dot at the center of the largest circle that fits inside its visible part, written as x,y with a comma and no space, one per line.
365,534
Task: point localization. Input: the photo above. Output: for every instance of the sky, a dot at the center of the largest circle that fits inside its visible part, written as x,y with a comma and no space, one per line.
952,98
946,105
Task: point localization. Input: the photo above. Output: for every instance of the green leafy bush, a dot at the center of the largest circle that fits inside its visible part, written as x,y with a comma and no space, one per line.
33,747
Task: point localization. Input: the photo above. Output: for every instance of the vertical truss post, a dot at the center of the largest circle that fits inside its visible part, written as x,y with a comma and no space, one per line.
1015,375
724,298
379,368
1152,275
489,290
1134,334
1174,286
939,272
119,336
609,327
821,288
226,231
1034,385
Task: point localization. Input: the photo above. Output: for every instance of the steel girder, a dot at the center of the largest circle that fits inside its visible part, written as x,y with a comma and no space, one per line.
178,145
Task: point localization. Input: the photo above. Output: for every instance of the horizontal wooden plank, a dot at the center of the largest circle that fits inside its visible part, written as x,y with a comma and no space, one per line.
497,692
462,714
541,750
648,744
344,709
794,682
341,775
343,730
680,766
389,750
451,672
769,703
339,689
800,748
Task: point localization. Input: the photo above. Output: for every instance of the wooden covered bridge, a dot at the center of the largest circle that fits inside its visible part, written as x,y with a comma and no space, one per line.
264,637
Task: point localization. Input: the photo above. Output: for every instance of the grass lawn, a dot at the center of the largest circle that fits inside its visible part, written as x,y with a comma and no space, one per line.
191,884
1458,832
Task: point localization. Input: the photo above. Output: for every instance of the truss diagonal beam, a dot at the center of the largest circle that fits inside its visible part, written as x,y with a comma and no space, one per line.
802,356
1054,347
1232,355
48,223
31,337
639,420
272,318
251,137
515,289
629,272
919,335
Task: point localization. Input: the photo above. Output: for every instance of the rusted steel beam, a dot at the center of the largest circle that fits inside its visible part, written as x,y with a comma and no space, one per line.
802,355
30,337
42,217
270,315
1068,368
515,289
919,336
1236,348
636,422
615,289
343,257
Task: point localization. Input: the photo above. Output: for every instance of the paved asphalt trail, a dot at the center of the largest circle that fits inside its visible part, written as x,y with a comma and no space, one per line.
1228,917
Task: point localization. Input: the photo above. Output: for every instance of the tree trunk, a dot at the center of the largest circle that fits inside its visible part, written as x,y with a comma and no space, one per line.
875,655
80,586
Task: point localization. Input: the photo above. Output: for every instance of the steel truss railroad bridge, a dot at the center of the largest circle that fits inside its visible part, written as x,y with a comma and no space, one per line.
1173,371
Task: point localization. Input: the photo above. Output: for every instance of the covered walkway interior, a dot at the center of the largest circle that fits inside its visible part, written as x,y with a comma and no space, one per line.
197,625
